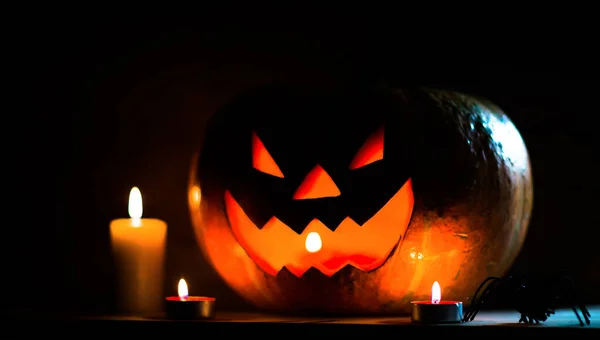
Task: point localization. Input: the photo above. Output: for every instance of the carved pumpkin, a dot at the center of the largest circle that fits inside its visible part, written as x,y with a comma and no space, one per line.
355,202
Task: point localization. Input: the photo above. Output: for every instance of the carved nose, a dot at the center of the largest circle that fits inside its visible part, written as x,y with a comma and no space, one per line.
317,184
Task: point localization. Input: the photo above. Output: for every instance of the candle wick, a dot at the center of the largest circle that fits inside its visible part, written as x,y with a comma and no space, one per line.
136,221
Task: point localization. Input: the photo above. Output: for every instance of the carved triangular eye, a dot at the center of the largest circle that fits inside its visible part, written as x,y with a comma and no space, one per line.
370,152
262,160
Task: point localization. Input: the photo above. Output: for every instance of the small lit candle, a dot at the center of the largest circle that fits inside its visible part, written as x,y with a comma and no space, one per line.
138,248
313,242
185,307
436,310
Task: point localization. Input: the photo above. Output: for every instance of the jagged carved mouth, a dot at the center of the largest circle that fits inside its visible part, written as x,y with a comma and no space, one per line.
365,246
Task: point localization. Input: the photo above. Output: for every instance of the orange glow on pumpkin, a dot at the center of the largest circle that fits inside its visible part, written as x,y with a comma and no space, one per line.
365,247
262,160
317,184
370,152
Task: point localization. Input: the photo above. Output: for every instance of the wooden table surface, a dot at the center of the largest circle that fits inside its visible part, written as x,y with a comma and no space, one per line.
486,323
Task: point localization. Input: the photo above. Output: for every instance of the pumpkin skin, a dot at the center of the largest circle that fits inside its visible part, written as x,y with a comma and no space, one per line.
456,166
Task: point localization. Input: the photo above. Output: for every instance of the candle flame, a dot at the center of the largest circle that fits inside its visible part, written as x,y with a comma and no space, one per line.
436,293
182,289
313,242
135,206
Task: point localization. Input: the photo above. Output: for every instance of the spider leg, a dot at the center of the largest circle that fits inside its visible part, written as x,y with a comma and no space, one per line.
529,320
586,313
570,292
577,315
477,301
549,311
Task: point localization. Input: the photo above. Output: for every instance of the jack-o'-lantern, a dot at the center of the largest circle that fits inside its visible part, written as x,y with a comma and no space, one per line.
356,202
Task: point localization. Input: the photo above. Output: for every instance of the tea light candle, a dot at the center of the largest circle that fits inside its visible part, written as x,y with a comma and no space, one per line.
436,310
138,247
185,307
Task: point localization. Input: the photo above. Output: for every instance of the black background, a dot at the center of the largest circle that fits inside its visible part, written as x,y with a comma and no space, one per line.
103,105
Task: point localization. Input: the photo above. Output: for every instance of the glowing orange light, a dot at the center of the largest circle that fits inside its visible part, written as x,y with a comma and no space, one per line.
182,289
262,160
313,242
436,293
317,184
370,152
365,246
196,195
135,207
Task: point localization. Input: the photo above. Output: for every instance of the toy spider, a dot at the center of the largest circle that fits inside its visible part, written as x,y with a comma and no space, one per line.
535,300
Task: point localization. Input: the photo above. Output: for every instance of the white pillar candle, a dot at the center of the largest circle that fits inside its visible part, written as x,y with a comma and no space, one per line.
139,250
